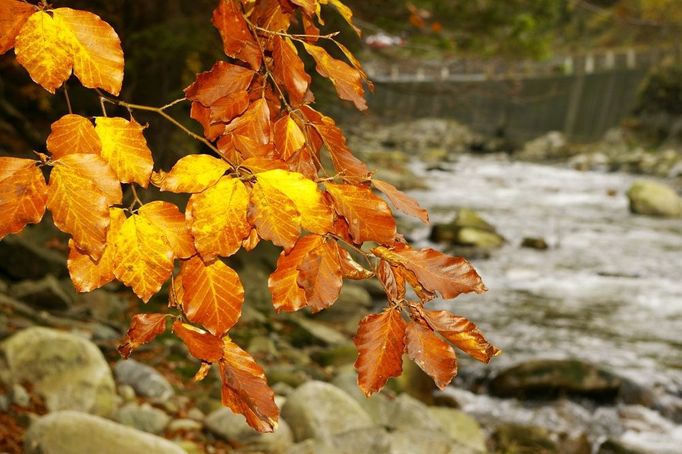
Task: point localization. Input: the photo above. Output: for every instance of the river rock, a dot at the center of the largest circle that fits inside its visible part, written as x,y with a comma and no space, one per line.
654,199
460,427
410,441
68,371
550,378
143,417
535,243
616,447
320,410
314,332
70,432
312,446
46,293
467,229
232,427
550,146
145,380
514,438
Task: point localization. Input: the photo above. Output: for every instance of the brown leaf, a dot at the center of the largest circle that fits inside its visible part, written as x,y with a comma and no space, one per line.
402,201
202,345
346,79
202,114
229,107
238,42
213,295
368,216
251,132
352,269
288,137
463,334
380,342
23,194
245,389
320,275
222,80
289,70
143,329
283,282
432,354
393,283
13,16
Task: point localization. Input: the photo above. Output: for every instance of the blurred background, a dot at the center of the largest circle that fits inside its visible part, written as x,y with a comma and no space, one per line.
545,138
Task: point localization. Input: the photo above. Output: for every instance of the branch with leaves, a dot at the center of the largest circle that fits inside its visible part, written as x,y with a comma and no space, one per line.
265,182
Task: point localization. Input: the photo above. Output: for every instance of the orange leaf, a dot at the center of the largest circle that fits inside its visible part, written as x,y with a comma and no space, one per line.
81,190
346,79
437,272
221,80
320,275
432,354
49,46
393,282
229,107
13,16
368,216
125,149
402,201
217,218
213,295
88,274
274,215
463,334
345,12
245,389
288,137
73,134
192,173
259,164
238,42
289,70
283,282
352,269
23,194
271,15
143,329
143,257
251,132
168,218
309,7
201,345
380,342
202,114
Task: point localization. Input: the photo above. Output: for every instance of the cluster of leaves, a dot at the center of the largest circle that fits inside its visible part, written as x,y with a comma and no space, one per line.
266,182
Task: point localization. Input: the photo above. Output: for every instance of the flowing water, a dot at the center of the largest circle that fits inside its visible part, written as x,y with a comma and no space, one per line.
608,291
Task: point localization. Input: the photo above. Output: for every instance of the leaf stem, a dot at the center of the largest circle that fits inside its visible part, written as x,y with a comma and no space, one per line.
68,100
296,36
136,198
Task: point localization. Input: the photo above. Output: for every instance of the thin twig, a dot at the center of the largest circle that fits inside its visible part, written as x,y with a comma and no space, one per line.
136,199
68,100
296,36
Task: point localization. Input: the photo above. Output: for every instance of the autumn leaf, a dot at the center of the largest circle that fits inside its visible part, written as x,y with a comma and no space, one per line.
144,328
283,282
402,201
392,281
271,15
346,79
202,114
88,274
309,7
13,16
81,190
238,42
125,149
218,218
288,137
245,389
259,164
345,12
320,275
221,80
229,107
49,46
352,269
250,133
73,134
23,194
437,272
192,173
143,257
380,341
368,216
202,345
274,215
288,69
168,218
463,334
432,354
213,295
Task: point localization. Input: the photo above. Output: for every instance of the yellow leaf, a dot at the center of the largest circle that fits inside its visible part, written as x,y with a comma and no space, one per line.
73,134
192,173
274,214
168,217
345,12
316,215
13,16
50,46
213,295
125,149
23,194
143,257
81,190
88,274
217,218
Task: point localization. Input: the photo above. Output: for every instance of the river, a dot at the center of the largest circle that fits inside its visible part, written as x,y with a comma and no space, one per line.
608,291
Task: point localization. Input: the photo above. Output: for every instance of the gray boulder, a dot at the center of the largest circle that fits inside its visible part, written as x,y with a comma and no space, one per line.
460,427
70,432
467,229
320,410
232,427
654,199
68,371
143,417
550,146
145,380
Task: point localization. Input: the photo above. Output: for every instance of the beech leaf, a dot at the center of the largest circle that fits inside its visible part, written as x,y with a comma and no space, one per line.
73,134
346,79
221,80
125,149
402,201
144,328
23,194
13,16
192,173
202,345
463,334
238,42
168,218
320,275
431,353
289,70
283,282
